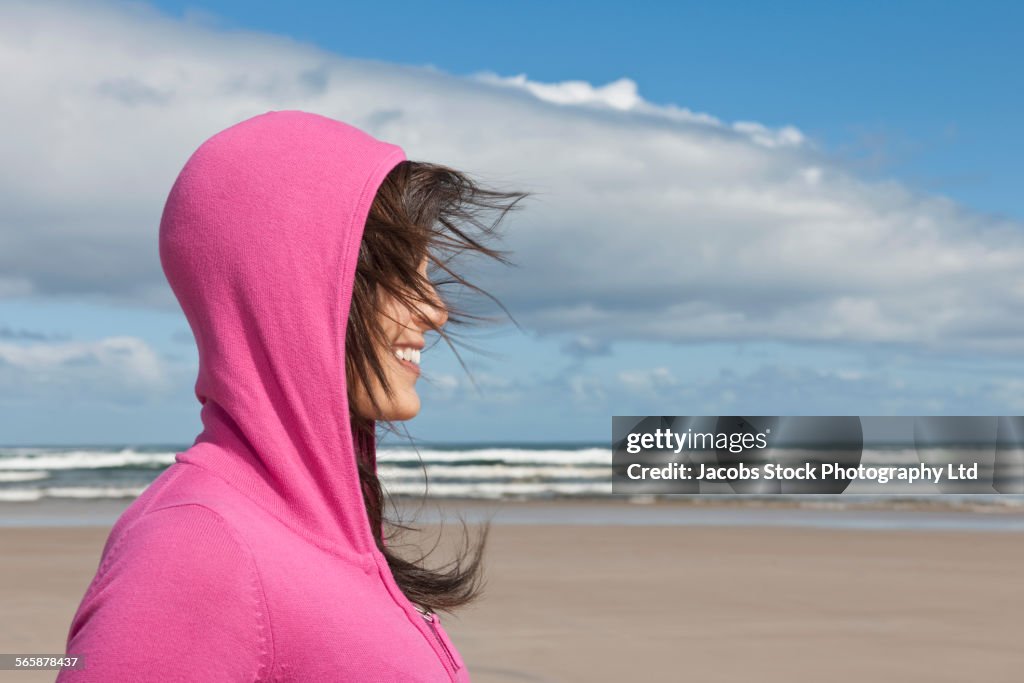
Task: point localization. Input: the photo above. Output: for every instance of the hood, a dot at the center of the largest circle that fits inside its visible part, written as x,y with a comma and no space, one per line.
259,240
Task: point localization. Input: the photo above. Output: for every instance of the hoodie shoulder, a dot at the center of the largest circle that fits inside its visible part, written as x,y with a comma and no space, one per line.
177,592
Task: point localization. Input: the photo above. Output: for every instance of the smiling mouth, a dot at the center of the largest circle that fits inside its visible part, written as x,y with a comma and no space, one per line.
409,359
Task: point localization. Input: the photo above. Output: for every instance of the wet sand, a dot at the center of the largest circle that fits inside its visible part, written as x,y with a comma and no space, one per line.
649,602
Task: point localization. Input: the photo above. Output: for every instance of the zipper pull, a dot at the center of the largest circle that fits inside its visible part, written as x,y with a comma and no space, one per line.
431,618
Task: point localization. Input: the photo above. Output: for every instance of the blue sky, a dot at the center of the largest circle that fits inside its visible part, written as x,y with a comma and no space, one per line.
922,91
785,208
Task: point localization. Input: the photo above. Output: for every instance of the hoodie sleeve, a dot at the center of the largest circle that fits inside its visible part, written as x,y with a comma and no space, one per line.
176,598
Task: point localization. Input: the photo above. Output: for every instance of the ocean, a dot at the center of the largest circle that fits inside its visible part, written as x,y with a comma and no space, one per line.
482,471
464,471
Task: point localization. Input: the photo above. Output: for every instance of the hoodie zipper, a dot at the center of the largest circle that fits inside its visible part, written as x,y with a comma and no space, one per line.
431,618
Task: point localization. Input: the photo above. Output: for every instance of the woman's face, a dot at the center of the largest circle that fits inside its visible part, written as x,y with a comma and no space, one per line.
405,328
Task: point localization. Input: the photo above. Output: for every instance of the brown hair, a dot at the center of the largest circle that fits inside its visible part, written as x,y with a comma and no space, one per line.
420,210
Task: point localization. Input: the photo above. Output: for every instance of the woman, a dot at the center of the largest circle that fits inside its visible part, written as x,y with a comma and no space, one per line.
298,247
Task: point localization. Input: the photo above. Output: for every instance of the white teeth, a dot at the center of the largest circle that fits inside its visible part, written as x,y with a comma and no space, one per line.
411,355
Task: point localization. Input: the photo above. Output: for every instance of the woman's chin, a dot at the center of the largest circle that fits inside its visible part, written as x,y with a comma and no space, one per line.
407,410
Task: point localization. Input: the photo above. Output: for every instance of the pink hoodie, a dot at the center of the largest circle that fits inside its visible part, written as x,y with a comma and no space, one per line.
251,557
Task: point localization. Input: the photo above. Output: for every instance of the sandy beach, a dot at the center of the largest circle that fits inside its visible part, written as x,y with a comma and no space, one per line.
662,602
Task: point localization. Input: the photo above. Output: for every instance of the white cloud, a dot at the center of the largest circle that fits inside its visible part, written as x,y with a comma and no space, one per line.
474,387
651,221
652,381
443,385
586,390
584,346
119,369
621,94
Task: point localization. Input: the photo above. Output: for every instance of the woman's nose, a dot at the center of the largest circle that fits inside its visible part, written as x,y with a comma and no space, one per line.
435,312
